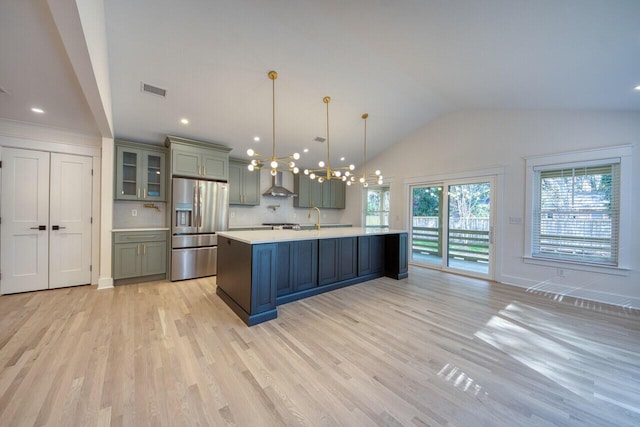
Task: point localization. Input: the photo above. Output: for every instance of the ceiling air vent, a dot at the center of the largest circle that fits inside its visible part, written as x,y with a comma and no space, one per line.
319,139
154,90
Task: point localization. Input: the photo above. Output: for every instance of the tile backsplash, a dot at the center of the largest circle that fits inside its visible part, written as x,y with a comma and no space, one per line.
146,217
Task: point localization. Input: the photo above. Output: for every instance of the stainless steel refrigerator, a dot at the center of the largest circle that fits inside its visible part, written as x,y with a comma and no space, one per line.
200,209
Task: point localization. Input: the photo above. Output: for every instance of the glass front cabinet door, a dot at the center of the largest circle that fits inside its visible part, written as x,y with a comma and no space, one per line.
140,174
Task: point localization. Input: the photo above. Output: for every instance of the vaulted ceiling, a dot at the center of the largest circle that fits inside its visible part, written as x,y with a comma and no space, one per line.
404,62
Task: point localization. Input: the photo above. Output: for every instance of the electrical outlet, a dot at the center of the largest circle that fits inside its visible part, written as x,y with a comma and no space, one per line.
561,272
134,212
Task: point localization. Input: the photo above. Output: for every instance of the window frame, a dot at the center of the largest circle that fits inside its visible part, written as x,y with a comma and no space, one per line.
365,190
618,154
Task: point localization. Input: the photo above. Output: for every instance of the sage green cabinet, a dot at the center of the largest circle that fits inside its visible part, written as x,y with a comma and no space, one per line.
301,187
197,159
140,172
337,194
244,185
139,254
328,194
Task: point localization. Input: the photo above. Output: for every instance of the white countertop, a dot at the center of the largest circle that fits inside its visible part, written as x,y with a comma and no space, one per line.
270,236
115,230
259,226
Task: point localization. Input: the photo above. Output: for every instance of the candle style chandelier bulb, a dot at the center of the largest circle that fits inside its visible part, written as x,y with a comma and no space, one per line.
251,167
306,171
274,164
250,152
362,180
296,170
312,175
352,167
321,163
296,156
292,164
378,172
338,174
274,172
321,179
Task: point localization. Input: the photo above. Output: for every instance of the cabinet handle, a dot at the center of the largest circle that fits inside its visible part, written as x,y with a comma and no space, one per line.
144,249
144,193
204,170
138,193
138,250
199,170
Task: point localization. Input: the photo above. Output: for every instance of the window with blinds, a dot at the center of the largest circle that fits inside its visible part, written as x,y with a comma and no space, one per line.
576,213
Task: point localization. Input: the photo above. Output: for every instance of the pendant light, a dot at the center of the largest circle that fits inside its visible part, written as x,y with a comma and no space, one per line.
365,179
277,164
325,172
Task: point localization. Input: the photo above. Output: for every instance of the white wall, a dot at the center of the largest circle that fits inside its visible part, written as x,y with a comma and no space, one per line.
474,140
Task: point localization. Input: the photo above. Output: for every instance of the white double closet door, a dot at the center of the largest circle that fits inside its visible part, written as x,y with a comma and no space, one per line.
46,220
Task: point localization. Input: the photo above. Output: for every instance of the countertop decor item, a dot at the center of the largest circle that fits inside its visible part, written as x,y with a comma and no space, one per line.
275,163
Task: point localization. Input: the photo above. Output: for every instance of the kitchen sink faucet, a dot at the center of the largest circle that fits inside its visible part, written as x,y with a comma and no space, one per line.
309,216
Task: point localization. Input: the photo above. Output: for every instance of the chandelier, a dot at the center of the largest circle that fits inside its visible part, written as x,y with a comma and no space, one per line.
364,179
325,172
277,164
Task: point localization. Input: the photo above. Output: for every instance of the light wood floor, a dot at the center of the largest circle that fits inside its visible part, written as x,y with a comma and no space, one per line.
434,349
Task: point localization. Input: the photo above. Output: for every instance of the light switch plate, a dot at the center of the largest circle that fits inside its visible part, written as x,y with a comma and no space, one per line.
134,212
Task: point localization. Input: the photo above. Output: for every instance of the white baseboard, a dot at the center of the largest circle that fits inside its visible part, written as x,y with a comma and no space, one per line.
105,283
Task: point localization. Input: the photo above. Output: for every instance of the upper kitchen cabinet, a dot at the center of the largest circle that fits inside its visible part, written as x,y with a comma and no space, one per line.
244,185
337,198
328,194
140,171
196,159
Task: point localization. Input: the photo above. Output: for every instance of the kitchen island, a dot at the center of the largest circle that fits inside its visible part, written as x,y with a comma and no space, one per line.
260,269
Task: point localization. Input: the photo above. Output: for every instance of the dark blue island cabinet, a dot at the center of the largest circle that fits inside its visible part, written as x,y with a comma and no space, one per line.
253,279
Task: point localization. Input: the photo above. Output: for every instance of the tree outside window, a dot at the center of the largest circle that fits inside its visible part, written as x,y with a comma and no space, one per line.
377,207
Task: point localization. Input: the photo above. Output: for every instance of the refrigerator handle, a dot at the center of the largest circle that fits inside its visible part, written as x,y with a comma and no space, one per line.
199,223
195,206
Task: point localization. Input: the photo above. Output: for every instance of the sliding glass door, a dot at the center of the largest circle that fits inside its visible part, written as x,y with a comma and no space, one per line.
452,226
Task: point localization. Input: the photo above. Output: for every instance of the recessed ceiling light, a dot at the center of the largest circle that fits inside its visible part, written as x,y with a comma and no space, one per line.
342,159
306,150
637,88
256,138
37,110
184,121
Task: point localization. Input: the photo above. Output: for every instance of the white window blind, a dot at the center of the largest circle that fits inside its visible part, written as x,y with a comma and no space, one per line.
576,214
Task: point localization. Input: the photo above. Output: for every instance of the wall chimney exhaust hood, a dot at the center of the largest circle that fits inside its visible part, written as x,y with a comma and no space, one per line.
276,189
